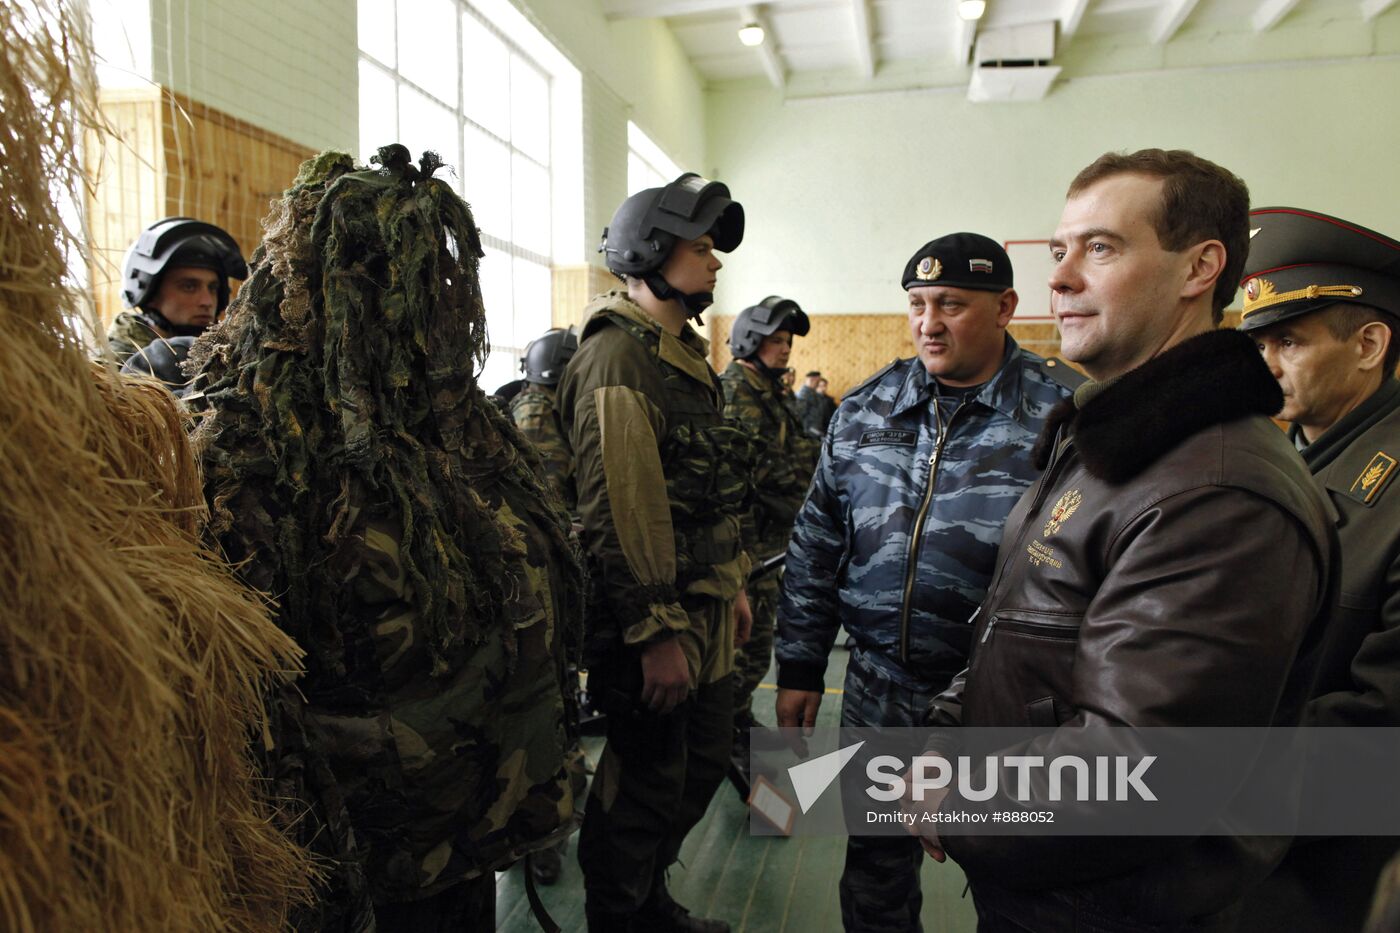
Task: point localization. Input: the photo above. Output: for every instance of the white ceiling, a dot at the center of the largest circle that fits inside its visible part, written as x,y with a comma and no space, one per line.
860,37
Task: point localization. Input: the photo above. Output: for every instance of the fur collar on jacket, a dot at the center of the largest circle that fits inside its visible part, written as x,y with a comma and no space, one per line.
1211,379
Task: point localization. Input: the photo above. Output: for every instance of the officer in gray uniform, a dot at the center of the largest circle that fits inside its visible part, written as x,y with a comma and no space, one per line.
898,535
1321,297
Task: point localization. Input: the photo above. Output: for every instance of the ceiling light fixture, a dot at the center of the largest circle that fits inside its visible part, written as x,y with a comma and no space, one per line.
972,9
751,35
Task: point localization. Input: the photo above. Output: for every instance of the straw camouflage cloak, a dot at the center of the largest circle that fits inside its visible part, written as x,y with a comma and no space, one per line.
133,664
364,480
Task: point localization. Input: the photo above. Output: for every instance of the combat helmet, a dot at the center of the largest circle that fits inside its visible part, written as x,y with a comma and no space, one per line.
172,243
545,356
647,225
764,319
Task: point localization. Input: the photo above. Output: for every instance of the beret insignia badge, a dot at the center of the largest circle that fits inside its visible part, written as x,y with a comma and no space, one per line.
928,269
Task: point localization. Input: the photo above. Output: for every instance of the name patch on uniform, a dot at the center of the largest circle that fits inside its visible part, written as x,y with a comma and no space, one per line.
1374,478
889,438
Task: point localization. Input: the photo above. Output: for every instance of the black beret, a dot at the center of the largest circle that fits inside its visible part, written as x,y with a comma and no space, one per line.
960,260
1302,261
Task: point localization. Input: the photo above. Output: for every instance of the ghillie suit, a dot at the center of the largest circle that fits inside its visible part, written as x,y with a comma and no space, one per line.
360,474
132,662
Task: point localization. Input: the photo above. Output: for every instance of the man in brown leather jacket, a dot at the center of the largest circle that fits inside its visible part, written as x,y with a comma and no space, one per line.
1173,565
1321,297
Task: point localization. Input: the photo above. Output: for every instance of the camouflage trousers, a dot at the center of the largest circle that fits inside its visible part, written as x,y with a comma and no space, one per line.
753,658
880,883
657,774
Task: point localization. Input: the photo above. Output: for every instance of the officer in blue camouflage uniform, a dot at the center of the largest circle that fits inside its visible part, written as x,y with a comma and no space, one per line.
897,538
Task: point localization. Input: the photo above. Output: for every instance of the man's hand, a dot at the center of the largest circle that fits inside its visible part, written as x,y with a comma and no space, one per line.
665,675
927,833
743,618
798,708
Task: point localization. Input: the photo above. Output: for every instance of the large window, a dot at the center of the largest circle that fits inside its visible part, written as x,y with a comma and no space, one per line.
647,165
435,74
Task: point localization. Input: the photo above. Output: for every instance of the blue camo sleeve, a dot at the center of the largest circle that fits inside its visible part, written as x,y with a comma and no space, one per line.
808,609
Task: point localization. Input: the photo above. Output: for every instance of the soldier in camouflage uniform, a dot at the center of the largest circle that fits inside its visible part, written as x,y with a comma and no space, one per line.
535,408
754,399
663,482
175,279
899,533
355,470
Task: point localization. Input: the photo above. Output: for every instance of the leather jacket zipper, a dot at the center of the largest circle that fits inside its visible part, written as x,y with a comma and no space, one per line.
1035,629
1056,459
916,538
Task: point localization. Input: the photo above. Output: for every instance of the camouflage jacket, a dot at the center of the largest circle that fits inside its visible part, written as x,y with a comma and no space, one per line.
407,746
129,332
899,534
755,402
534,409
662,479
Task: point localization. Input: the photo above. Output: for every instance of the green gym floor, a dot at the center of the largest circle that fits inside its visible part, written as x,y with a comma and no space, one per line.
760,884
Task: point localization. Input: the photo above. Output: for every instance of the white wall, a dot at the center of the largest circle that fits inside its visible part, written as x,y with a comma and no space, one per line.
287,67
840,192
632,69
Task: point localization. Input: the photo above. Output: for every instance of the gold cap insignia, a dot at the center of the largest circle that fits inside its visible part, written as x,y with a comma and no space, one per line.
1063,509
1260,293
1374,477
928,269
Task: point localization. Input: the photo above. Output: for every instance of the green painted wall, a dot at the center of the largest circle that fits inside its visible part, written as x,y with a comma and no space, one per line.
839,192
290,68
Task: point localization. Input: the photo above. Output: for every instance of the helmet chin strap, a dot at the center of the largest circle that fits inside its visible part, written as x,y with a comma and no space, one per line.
694,303
762,367
153,316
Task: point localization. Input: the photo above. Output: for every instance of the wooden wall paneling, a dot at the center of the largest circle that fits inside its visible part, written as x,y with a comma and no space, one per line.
849,348
168,156
125,187
224,170
573,288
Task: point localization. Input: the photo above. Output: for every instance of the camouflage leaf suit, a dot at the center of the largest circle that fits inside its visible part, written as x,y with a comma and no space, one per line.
355,466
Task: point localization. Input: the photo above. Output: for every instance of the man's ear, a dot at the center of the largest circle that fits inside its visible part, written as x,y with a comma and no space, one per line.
1009,299
1207,262
1371,341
